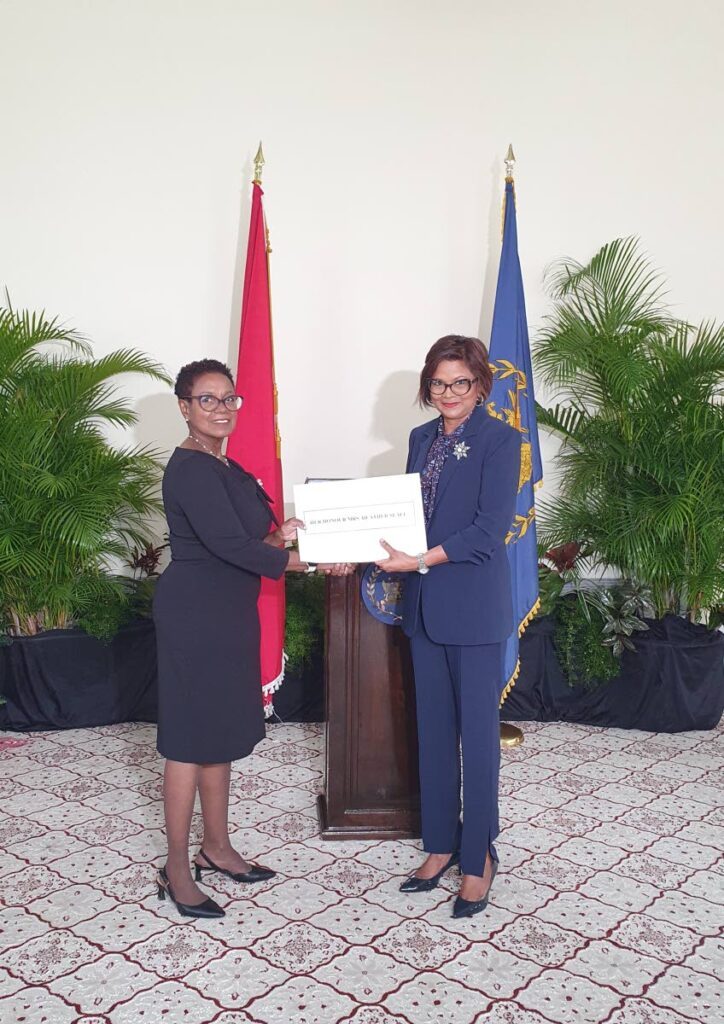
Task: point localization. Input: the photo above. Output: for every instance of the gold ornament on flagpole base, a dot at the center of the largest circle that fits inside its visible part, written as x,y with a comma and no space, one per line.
258,165
510,735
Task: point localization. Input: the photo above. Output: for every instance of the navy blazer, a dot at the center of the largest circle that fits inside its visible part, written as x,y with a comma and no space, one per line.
467,600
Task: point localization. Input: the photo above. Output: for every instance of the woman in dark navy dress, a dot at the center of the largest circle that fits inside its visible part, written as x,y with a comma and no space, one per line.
224,538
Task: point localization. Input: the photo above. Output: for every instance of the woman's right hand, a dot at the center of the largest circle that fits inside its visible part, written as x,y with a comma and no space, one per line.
288,530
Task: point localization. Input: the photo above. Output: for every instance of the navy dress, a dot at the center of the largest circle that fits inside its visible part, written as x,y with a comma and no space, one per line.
205,610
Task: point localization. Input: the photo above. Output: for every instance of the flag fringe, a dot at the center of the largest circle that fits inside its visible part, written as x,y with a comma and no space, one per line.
516,671
269,688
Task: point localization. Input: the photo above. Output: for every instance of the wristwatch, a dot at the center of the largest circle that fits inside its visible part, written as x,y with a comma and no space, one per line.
421,567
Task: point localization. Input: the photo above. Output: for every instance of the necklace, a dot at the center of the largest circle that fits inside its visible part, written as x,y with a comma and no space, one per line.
221,458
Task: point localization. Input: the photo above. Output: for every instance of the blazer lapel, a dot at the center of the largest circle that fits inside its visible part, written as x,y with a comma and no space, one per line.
423,447
453,464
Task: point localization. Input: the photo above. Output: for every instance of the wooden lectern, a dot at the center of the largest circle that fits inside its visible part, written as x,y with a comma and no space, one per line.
371,775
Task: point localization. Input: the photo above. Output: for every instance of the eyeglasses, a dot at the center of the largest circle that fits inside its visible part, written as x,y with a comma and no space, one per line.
209,403
459,387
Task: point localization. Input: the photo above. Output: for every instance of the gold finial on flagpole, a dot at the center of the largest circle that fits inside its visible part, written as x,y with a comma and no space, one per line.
509,163
259,162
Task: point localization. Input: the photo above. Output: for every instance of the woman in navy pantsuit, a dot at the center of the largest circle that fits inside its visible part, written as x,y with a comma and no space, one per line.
458,614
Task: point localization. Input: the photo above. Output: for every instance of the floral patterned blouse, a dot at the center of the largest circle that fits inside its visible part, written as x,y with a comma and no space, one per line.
439,451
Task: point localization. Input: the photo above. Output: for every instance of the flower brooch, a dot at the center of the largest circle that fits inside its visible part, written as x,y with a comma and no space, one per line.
460,450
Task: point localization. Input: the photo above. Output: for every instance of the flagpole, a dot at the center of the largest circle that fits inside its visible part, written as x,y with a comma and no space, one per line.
510,735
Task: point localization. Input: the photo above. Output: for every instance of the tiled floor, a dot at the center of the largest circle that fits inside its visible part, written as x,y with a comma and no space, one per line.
608,906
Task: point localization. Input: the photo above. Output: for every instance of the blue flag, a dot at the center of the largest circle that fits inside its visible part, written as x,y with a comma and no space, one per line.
513,401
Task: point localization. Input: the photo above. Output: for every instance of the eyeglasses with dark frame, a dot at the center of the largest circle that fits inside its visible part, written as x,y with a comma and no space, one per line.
459,387
209,403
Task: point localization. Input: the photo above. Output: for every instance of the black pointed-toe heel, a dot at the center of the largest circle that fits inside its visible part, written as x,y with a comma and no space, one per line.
256,874
206,909
415,884
469,908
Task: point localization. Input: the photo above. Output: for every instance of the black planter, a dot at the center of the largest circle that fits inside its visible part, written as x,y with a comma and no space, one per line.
672,682
301,696
65,679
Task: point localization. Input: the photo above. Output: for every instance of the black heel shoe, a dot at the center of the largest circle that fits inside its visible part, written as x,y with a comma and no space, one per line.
415,884
206,909
256,874
468,908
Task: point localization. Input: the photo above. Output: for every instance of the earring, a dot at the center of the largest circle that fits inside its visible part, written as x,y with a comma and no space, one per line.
480,400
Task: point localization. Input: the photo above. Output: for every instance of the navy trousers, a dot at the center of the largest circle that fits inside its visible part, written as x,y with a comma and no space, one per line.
458,693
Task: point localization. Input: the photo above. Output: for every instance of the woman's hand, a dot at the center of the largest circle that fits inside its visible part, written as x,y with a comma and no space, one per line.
288,530
336,568
398,561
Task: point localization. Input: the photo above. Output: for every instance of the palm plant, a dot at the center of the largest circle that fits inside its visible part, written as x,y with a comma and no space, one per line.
640,415
70,502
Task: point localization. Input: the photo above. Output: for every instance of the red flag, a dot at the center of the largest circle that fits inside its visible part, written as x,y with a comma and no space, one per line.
256,443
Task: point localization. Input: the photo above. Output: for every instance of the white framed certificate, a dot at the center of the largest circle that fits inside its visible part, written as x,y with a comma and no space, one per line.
346,519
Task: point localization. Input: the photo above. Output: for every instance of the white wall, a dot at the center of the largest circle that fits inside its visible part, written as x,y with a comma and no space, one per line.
128,133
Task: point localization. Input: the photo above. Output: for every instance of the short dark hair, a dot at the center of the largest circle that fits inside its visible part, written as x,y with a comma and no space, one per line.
189,374
470,351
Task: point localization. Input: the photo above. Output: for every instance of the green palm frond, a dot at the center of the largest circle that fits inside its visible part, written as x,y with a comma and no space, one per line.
70,502
641,417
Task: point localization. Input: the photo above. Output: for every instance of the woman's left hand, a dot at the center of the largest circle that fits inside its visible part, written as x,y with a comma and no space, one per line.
398,561
288,530
336,568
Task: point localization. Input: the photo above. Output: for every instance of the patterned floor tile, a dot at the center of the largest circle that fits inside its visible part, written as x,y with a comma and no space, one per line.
65,907
298,898
662,874
708,958
236,978
541,941
303,1001
435,998
9,985
532,838
296,860
17,925
356,920
49,955
299,948
364,974
120,927
659,939
36,1006
698,996
372,1015
48,847
557,872
35,881
99,986
564,998
643,1011
624,970
520,895
176,951
626,893
584,916
420,944
169,1001
495,972
505,1012
388,895
681,908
